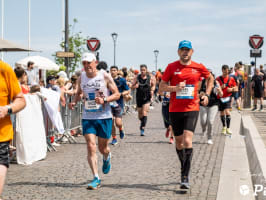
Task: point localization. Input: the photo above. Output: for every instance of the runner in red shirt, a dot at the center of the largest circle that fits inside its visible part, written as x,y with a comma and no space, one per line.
184,76
228,85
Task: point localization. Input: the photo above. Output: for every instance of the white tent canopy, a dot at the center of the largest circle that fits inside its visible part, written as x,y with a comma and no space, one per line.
39,62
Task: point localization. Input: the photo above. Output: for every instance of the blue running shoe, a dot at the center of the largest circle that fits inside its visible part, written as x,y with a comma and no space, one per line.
122,134
114,141
107,164
96,182
141,132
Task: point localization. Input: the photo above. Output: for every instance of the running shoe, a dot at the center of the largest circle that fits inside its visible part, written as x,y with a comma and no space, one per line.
114,141
141,132
209,141
171,141
224,131
107,164
184,183
96,182
167,133
122,134
255,108
228,131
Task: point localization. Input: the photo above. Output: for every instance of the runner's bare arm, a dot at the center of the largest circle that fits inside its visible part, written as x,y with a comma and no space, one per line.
135,83
164,87
209,87
112,87
153,84
17,105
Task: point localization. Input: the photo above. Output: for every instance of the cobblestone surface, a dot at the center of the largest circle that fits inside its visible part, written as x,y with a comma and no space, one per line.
142,168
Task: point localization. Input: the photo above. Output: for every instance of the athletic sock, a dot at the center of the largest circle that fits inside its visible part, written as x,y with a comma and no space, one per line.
180,154
187,161
228,119
223,120
96,176
114,137
143,122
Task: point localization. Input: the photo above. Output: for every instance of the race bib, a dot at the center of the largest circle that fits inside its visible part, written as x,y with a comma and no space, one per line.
225,99
91,105
186,93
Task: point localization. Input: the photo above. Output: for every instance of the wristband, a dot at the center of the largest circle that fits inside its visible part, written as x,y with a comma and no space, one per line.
105,99
9,110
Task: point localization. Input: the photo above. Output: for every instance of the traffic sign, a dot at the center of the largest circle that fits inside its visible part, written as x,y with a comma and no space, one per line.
255,53
93,44
62,54
255,41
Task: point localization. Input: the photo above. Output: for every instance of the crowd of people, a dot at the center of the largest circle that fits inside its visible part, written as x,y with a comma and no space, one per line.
186,90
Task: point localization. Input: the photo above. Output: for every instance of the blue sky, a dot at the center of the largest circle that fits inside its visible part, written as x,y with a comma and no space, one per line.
219,30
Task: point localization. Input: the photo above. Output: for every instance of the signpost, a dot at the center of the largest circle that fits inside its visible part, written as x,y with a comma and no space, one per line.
62,54
255,42
94,45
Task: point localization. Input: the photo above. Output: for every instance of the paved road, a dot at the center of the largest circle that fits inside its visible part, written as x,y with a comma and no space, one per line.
142,168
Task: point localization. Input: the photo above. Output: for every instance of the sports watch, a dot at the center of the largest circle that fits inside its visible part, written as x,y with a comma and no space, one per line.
105,99
9,109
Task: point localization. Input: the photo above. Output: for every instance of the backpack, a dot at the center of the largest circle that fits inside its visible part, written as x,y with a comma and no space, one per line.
222,80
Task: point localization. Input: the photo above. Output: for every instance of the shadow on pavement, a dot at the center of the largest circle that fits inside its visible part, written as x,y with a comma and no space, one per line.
65,185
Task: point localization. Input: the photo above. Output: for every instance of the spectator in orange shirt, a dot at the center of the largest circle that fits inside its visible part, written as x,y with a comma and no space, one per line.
10,91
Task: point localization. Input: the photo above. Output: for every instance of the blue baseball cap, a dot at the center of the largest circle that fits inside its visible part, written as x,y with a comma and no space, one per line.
185,43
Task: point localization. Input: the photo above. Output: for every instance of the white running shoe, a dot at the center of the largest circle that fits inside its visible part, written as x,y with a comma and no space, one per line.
210,141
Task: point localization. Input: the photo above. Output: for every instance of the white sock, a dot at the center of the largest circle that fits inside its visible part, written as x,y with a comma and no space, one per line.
96,176
109,155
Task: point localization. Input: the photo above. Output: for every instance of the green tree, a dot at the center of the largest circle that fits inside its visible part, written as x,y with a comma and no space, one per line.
76,45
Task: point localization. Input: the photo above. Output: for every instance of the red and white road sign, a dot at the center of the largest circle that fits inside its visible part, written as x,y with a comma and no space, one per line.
93,44
256,41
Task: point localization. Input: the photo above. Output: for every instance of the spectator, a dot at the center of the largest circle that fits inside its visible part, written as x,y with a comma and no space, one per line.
9,92
125,73
31,74
22,78
41,83
51,83
258,87
61,83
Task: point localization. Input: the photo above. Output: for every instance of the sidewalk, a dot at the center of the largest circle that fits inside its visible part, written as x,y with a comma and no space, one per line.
259,118
142,168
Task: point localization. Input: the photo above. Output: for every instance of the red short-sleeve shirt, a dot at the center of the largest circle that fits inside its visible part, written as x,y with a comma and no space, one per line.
224,80
176,73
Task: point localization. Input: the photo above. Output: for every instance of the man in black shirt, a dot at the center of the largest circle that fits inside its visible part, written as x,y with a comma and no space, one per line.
258,88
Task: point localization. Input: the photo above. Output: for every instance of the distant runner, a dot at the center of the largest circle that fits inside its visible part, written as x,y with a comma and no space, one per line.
145,85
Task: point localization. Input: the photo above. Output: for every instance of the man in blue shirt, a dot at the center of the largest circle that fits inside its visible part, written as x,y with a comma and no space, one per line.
118,105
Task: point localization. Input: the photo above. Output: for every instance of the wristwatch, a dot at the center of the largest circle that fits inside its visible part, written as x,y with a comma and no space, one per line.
9,109
105,99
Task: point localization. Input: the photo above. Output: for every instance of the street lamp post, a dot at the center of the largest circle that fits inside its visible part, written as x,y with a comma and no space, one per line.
156,52
114,36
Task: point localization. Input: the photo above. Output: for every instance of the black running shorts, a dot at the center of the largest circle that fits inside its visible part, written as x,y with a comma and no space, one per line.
4,153
223,106
181,121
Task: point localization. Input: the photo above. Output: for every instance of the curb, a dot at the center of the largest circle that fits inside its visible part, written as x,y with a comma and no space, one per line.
256,152
235,180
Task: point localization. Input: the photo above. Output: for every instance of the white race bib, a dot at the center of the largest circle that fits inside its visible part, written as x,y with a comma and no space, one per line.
225,99
186,93
90,104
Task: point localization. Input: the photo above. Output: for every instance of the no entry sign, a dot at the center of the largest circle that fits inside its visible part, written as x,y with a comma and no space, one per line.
93,44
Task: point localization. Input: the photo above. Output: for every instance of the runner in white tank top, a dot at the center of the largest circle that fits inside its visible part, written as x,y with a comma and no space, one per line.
97,117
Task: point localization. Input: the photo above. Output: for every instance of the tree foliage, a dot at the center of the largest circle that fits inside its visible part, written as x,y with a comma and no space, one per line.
76,45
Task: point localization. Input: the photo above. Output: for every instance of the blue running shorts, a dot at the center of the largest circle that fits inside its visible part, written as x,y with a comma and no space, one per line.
100,127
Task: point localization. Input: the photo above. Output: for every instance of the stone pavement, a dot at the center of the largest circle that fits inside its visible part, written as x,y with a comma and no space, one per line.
259,118
142,168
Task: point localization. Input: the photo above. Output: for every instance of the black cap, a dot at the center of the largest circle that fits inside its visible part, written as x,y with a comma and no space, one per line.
50,77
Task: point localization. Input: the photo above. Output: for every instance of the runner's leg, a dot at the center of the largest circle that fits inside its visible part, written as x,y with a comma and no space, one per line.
92,157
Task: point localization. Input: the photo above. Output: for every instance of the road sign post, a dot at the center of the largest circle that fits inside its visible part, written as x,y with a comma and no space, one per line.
93,44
